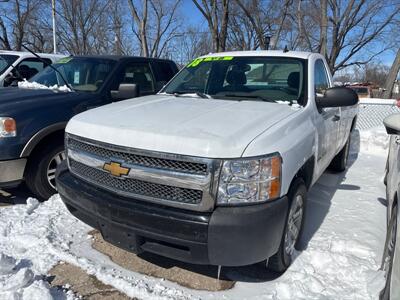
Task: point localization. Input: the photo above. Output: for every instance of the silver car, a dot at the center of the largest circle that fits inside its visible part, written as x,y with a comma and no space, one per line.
391,257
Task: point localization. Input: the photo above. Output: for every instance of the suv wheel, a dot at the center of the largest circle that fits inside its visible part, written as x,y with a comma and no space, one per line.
41,170
293,228
387,261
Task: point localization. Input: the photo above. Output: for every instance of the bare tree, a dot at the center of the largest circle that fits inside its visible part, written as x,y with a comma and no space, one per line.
80,23
14,20
141,23
155,25
264,21
353,26
323,41
241,32
216,13
4,40
190,44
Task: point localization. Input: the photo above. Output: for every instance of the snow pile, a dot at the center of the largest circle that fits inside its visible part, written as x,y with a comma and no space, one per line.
374,141
20,275
36,236
19,282
37,86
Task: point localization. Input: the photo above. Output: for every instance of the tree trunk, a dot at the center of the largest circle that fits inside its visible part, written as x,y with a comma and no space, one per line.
394,70
324,28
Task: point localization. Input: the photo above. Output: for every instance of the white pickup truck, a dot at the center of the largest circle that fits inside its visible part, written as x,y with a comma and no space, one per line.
215,168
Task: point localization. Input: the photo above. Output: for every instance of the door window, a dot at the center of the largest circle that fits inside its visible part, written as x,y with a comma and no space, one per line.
321,81
139,74
31,66
165,71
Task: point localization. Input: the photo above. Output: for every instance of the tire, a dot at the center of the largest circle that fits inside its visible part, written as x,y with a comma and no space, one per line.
40,173
339,162
388,255
280,261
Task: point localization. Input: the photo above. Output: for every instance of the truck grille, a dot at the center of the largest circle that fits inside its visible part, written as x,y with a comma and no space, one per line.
141,160
136,187
164,178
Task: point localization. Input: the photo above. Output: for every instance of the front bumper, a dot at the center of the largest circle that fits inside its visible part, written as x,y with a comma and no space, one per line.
12,172
228,236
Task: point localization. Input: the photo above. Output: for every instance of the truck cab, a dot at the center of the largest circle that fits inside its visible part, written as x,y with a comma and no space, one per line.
215,168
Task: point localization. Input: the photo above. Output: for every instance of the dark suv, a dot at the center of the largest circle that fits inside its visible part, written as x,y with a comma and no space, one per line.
33,116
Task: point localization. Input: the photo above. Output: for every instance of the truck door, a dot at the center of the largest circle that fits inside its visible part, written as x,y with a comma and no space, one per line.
327,119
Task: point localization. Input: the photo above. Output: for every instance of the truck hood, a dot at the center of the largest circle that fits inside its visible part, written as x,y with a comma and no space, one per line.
181,125
14,99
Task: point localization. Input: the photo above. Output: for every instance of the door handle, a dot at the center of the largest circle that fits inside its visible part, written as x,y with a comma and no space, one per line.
336,118
397,140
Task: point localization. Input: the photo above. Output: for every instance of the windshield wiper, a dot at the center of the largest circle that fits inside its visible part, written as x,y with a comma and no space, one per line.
249,96
198,94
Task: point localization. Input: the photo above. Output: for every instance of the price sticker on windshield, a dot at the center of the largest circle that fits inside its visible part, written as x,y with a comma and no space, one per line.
198,61
64,60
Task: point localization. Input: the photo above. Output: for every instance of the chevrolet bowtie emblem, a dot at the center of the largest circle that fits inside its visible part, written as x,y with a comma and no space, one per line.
115,169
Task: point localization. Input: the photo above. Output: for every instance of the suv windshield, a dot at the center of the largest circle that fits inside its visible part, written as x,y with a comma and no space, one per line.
82,73
242,78
6,60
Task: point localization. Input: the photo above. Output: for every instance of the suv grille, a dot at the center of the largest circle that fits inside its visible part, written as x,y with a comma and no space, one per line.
136,187
141,160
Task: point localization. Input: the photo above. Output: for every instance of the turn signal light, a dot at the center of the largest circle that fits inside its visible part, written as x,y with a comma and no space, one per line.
8,127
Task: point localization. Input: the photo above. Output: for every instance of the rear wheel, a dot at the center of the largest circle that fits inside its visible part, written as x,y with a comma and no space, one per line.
339,162
293,228
41,170
387,261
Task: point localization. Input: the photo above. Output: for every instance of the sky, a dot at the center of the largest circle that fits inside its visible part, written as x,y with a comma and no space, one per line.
193,16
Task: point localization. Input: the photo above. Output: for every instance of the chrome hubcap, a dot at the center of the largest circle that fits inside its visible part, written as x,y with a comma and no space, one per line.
293,227
52,167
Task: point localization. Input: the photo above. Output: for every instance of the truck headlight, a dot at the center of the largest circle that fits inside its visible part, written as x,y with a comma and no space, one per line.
8,127
250,180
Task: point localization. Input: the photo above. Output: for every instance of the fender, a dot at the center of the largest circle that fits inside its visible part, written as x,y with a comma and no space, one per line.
37,137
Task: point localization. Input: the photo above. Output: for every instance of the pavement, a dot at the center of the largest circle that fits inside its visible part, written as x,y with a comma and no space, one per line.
199,277
82,284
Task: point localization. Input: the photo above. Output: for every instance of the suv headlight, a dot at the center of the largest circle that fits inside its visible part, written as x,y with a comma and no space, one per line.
8,127
250,180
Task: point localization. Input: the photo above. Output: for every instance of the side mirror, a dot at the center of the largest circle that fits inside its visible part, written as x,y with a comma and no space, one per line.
337,97
392,124
125,91
9,79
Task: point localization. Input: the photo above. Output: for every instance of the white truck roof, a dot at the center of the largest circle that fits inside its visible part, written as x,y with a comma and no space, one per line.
24,54
276,53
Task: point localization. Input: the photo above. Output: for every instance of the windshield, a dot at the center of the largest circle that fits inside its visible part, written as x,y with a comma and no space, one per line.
242,78
82,73
6,61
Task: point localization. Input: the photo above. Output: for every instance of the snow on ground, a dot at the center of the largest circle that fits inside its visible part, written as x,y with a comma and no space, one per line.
343,244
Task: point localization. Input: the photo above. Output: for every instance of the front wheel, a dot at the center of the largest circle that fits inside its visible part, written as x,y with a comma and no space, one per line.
41,171
294,227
